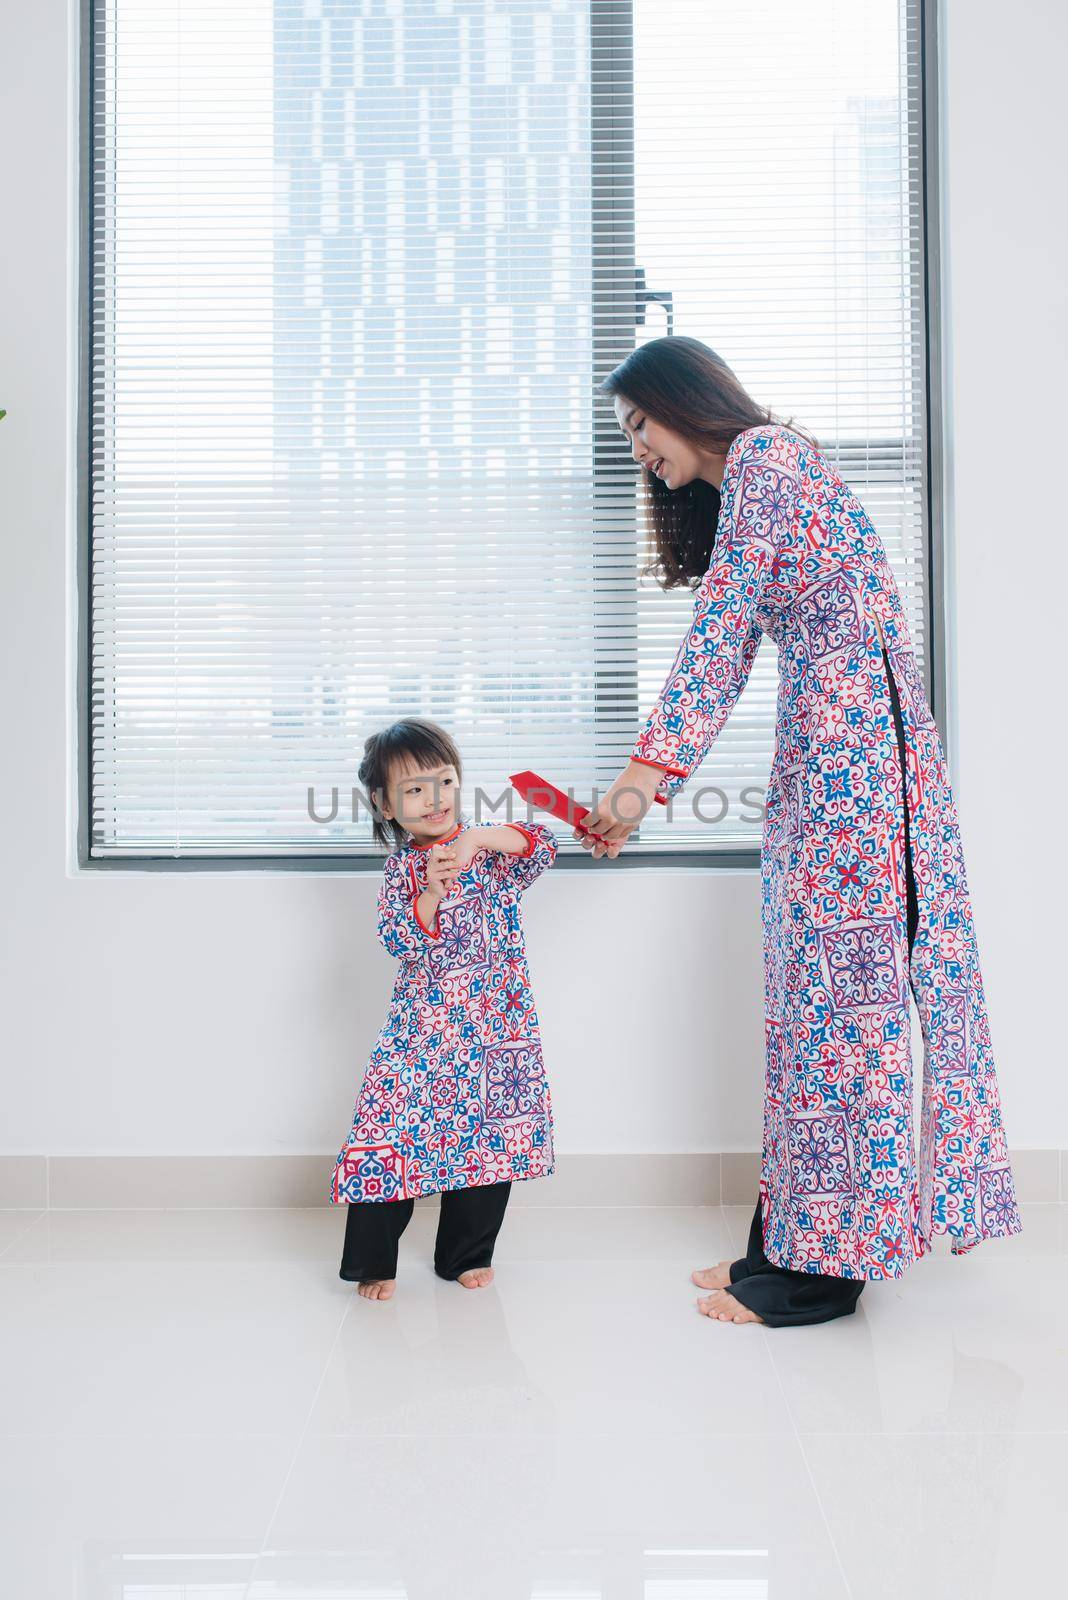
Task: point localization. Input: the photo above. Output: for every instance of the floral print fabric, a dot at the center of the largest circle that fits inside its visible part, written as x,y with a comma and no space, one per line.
455,1092
797,558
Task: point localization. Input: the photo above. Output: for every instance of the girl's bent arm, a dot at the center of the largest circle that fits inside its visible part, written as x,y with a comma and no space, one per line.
539,852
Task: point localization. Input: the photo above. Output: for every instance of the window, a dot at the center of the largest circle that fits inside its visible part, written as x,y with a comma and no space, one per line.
356,273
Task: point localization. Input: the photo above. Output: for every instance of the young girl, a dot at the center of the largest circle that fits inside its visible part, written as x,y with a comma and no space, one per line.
454,1099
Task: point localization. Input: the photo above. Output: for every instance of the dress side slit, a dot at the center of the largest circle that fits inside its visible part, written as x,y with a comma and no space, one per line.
912,915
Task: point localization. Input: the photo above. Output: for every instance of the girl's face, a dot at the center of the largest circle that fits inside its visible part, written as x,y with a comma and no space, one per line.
424,800
655,447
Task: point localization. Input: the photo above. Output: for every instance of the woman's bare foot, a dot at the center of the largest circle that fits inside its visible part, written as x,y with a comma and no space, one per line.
717,1277
723,1307
377,1288
476,1278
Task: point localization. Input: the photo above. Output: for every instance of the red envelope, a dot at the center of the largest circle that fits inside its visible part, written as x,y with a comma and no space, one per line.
546,797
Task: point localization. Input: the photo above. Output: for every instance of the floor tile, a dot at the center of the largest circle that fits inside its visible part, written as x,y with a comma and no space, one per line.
92,1518
13,1224
697,1235
965,1343
572,1347
957,1515
164,1349
255,1234
416,1518
738,1219
194,1403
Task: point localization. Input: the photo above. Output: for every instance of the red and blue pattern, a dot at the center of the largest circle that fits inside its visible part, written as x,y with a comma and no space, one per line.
455,1092
797,558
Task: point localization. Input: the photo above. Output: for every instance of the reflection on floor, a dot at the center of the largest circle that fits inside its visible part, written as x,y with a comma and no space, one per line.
194,1406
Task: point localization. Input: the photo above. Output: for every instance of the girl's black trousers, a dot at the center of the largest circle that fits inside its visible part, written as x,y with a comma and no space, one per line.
468,1224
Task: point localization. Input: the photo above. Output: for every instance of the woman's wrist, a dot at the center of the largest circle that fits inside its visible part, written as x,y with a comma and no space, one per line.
642,775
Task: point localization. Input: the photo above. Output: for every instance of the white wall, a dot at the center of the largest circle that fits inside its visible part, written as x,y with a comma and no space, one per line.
232,1013
1005,236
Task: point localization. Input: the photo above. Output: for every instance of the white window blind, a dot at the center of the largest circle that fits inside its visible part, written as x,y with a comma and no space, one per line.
356,273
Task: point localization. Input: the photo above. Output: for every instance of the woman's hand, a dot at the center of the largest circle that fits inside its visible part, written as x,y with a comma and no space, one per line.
620,811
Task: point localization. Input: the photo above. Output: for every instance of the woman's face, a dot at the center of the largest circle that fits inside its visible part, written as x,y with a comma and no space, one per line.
674,459
423,800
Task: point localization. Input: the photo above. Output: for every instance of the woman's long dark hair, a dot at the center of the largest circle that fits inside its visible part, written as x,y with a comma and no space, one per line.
688,388
414,741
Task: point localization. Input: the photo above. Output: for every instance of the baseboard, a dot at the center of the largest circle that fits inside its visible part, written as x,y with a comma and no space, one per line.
729,1177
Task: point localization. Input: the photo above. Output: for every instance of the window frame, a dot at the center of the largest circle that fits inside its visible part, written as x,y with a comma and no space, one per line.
613,26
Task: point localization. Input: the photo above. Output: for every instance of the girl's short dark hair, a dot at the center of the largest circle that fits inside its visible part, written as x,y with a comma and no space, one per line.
412,742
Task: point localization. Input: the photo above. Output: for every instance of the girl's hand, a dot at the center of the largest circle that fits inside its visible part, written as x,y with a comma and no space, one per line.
442,869
620,811
467,846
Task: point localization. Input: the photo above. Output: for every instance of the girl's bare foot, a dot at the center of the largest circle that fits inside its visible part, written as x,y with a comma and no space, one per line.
717,1277
476,1278
723,1307
377,1288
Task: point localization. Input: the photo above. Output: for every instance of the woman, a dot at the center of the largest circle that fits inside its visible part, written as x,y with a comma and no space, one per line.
864,891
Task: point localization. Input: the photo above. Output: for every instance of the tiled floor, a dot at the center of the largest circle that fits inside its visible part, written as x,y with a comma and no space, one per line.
193,1406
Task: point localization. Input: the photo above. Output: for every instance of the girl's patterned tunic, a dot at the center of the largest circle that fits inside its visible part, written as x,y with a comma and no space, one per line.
797,558
455,1092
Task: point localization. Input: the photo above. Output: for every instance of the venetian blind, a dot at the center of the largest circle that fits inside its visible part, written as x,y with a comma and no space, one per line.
356,272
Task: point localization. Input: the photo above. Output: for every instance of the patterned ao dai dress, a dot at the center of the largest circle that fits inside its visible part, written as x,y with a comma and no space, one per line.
455,1092
797,558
